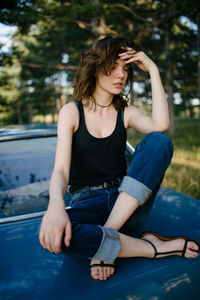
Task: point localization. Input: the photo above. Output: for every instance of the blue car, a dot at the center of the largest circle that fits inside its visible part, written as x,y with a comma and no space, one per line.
27,271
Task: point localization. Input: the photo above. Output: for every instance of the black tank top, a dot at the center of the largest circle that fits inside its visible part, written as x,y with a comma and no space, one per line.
97,160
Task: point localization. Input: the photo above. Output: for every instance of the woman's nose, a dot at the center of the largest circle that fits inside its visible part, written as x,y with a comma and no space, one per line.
120,73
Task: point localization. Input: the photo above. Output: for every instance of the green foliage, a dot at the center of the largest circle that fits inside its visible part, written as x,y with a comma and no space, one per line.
49,29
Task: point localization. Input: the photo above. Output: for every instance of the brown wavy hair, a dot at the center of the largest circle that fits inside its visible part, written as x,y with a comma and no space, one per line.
101,57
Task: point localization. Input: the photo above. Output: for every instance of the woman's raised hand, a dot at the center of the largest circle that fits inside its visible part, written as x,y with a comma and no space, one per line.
55,224
138,57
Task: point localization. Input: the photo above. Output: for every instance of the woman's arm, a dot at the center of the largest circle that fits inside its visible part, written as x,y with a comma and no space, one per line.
159,121
56,221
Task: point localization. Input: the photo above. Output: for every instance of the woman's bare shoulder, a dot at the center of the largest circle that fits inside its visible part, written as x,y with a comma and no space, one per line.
69,107
69,114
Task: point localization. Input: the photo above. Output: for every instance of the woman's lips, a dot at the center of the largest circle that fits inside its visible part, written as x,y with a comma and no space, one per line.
118,85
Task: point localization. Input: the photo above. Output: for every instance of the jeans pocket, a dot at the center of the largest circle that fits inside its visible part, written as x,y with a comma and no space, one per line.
76,198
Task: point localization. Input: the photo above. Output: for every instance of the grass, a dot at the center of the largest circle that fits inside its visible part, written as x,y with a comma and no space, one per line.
183,174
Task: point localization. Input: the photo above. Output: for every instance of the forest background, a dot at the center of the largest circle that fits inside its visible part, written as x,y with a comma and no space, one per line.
36,73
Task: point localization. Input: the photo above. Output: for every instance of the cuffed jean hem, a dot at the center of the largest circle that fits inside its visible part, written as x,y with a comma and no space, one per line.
110,245
135,189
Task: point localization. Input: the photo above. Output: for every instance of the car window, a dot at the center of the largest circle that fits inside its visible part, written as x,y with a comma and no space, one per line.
25,169
26,161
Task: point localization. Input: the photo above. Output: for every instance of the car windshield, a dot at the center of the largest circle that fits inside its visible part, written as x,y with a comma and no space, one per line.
25,169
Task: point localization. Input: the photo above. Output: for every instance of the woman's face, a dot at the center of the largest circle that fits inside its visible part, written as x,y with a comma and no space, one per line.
113,83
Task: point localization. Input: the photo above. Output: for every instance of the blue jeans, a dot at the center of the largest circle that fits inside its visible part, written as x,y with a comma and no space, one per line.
91,208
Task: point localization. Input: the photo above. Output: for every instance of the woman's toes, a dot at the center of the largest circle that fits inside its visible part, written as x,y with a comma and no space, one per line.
104,273
190,254
109,271
112,271
101,272
193,246
95,273
192,250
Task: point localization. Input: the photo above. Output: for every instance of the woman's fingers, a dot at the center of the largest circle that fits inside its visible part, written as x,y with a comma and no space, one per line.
57,245
68,233
48,241
139,58
130,56
51,239
127,54
52,229
41,237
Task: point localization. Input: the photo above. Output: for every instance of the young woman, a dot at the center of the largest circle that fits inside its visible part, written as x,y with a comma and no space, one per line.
90,159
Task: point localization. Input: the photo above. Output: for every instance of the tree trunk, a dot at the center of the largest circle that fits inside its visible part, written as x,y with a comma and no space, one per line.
191,111
171,106
198,63
30,113
169,87
19,115
43,111
53,108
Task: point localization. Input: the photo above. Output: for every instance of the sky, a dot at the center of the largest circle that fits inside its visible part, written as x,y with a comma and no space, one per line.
5,36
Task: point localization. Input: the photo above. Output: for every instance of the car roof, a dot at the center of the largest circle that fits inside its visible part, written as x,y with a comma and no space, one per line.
27,132
33,131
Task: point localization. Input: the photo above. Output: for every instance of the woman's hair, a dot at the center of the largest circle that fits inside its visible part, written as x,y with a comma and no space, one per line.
101,57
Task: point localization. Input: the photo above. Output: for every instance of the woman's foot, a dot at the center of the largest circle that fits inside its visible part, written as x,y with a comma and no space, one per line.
176,244
100,270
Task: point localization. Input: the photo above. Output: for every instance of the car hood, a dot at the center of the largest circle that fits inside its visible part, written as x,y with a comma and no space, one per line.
30,272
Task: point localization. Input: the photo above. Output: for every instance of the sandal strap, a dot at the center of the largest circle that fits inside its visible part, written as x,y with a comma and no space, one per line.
169,252
102,265
156,252
185,246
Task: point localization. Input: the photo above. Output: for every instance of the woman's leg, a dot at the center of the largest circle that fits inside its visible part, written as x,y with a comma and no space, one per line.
139,187
132,247
95,242
89,212
92,241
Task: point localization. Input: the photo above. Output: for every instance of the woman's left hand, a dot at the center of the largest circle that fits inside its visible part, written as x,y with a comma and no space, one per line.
140,58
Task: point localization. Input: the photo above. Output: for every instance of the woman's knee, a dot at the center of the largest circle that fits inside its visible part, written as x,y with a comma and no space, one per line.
160,142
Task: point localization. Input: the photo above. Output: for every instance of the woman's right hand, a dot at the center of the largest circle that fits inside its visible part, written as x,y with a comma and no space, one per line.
55,224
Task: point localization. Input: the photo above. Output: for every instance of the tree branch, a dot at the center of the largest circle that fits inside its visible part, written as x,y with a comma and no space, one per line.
58,67
130,11
96,26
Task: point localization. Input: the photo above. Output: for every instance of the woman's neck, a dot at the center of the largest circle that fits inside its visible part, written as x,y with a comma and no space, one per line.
102,99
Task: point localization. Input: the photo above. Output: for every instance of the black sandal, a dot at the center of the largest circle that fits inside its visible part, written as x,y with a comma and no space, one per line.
102,265
170,239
